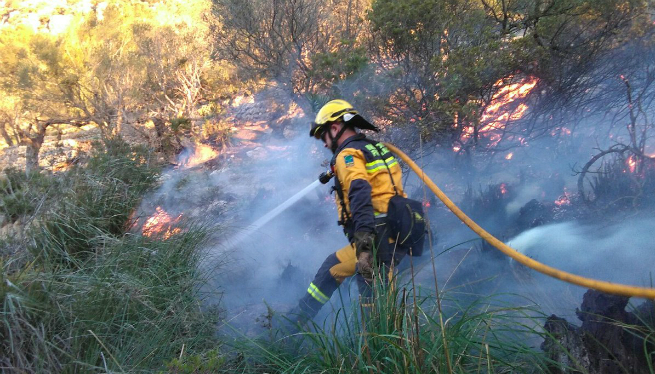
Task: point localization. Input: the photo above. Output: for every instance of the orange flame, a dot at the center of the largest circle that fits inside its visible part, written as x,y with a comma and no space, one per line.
493,117
509,156
632,163
75,147
560,131
201,154
499,112
564,199
161,224
503,188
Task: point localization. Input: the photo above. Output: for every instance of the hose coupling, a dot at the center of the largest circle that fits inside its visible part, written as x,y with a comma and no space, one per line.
325,176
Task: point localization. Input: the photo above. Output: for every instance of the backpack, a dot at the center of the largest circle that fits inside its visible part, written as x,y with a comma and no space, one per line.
407,223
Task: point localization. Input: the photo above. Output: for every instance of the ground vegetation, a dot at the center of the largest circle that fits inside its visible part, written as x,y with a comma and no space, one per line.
81,291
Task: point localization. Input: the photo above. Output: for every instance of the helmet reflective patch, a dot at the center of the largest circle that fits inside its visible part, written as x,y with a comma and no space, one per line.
350,161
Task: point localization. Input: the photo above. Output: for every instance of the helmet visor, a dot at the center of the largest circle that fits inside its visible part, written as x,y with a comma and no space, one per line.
317,130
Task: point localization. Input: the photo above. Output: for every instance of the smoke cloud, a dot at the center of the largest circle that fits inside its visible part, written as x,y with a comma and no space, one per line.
273,264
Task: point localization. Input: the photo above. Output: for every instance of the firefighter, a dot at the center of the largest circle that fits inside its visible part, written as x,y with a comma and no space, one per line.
366,176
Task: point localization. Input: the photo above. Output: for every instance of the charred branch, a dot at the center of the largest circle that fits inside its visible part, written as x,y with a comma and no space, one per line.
585,169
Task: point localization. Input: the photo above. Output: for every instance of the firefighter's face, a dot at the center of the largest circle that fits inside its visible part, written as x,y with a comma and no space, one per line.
327,139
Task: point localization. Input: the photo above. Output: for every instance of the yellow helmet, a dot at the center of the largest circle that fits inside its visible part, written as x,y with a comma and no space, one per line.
334,110
330,112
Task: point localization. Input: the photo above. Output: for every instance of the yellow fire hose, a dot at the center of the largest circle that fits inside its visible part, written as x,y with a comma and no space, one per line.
607,287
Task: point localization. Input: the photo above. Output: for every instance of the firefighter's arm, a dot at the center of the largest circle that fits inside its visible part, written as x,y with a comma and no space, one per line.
351,170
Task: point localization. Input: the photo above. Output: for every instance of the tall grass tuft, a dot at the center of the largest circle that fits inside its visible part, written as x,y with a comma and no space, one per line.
94,204
21,193
89,296
395,335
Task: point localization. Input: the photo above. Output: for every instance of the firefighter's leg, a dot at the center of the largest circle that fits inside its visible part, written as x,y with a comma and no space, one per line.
336,267
382,257
388,254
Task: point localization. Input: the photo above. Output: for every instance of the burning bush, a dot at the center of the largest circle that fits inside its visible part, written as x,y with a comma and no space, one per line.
161,225
623,183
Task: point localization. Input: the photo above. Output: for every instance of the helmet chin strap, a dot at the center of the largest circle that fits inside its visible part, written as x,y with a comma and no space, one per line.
333,139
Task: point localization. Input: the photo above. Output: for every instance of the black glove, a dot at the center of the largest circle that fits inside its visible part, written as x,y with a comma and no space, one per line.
365,265
364,251
325,176
363,242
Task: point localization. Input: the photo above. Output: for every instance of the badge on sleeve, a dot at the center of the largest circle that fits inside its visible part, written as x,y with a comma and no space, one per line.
350,161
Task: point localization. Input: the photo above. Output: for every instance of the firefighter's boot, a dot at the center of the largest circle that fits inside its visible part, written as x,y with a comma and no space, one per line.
294,320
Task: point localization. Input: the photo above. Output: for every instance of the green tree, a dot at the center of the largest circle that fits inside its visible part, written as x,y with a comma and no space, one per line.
104,70
31,67
292,41
571,43
446,57
178,61
121,64
9,117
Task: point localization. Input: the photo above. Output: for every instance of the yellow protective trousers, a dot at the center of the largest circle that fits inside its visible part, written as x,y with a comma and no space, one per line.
342,264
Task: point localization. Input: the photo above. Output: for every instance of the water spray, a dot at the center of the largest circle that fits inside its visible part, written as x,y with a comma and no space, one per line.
272,214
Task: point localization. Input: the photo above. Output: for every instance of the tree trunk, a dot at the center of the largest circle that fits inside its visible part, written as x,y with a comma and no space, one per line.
33,142
32,156
118,129
5,136
160,130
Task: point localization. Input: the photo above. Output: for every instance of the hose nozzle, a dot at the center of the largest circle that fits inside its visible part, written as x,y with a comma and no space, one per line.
325,176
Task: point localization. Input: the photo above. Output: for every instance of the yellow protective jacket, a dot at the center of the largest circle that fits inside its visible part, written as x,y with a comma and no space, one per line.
363,182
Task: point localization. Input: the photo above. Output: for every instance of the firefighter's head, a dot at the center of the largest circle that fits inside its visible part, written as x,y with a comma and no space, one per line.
334,119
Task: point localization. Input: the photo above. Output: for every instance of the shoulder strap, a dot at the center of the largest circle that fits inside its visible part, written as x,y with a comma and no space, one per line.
345,216
375,144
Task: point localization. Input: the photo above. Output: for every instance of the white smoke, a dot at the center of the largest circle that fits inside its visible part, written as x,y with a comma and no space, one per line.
259,251
621,252
295,243
524,195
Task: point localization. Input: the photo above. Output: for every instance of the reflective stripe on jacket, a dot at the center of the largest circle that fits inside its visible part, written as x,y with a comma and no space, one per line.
359,166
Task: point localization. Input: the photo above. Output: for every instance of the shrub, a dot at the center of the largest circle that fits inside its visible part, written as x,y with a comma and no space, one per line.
95,203
131,307
21,193
93,297
217,132
616,187
180,124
